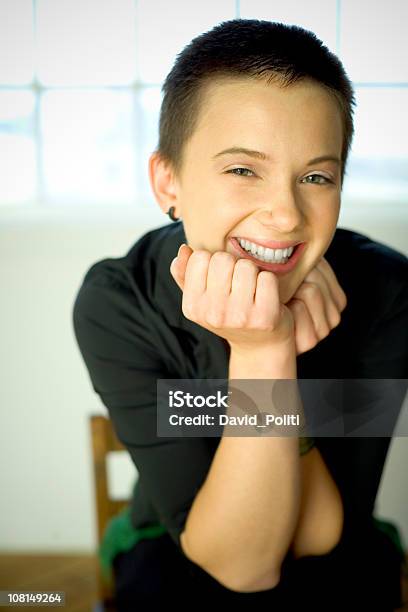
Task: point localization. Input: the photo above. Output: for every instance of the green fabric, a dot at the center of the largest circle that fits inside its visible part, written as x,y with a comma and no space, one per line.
392,531
305,444
121,536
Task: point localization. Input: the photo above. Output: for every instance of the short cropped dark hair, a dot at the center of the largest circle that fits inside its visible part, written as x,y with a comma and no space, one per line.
243,48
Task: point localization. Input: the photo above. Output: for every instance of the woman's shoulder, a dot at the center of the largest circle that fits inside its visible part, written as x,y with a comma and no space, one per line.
374,325
117,308
138,269
360,261
350,243
375,321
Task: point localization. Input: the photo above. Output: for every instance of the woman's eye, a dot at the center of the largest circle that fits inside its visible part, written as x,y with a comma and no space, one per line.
242,172
326,180
235,171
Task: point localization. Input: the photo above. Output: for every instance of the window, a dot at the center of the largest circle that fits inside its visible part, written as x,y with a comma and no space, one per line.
80,92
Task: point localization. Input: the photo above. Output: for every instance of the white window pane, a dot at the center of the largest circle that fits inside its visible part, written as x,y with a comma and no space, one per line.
150,101
374,43
319,16
165,28
90,42
379,163
381,122
373,180
17,149
16,42
88,146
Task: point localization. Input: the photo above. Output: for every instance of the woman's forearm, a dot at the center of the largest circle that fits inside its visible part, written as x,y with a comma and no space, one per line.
243,518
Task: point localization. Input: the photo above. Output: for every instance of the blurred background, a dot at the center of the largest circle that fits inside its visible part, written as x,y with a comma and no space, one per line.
79,101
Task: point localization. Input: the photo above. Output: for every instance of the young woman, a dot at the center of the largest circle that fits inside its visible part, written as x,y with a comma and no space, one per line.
255,281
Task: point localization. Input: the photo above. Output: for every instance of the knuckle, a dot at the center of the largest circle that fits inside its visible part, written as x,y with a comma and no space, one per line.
199,255
312,338
261,321
187,309
336,318
246,263
214,317
343,300
222,256
323,330
239,319
303,346
262,325
310,288
307,340
265,275
297,304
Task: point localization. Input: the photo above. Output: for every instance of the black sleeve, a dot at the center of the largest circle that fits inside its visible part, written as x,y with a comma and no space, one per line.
385,346
384,355
112,330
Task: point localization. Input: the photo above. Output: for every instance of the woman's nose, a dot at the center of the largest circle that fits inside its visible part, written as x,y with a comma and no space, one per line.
283,217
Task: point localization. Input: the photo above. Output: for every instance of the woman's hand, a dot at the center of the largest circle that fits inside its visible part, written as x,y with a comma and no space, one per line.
232,298
316,306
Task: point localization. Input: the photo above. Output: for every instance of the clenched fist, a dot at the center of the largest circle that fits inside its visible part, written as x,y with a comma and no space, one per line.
316,306
235,300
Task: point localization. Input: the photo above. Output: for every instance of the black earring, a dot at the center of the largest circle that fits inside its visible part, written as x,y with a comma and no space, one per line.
170,212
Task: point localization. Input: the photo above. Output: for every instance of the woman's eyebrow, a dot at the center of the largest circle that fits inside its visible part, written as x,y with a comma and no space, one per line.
264,156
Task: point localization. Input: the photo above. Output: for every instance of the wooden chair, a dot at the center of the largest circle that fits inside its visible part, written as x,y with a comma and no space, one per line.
104,441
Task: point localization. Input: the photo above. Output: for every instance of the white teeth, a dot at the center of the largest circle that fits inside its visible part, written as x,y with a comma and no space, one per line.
278,254
266,254
269,254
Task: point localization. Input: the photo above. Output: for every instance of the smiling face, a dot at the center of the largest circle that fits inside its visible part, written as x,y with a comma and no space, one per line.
279,196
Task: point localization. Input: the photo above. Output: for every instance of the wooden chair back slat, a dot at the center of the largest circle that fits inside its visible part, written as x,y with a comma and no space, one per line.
104,441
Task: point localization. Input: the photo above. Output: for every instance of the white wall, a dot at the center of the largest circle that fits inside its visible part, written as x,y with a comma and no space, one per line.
46,485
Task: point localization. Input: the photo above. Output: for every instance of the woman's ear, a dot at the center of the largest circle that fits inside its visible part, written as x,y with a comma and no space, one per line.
163,183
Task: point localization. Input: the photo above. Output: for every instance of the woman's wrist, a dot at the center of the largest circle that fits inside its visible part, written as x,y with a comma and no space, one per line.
263,361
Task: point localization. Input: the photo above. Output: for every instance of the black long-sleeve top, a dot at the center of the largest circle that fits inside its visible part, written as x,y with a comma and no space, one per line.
131,331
